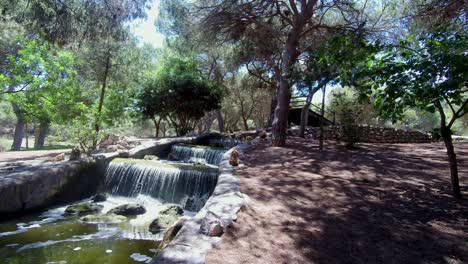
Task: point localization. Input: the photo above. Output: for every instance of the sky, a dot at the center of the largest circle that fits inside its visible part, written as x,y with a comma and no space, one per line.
145,29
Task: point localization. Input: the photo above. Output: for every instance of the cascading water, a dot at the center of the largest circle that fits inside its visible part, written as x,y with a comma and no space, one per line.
225,143
184,184
186,152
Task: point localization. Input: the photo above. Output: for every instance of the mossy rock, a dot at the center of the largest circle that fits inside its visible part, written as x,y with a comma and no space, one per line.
104,219
166,218
128,209
84,208
151,157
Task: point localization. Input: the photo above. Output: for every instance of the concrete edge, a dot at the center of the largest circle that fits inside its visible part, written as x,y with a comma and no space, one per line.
190,245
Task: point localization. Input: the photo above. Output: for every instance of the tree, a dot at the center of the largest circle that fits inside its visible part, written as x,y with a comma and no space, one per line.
40,83
290,23
179,94
426,73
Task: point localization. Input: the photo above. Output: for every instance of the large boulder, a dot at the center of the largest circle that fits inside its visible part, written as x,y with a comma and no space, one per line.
167,217
104,219
84,208
128,209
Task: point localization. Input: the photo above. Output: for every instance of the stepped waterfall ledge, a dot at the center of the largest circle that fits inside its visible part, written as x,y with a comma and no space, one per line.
185,184
196,153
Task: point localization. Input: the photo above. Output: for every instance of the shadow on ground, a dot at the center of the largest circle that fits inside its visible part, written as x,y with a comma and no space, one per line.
376,204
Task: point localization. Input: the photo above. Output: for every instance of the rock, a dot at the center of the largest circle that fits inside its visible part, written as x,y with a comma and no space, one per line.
84,208
151,157
170,233
263,135
211,225
234,159
100,197
59,157
75,154
166,218
128,209
104,219
172,157
123,154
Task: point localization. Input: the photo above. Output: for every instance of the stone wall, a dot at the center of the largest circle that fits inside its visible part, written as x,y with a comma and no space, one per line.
370,134
34,186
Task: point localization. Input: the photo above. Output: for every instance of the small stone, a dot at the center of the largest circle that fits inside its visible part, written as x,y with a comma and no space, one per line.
100,197
77,248
211,225
108,251
234,159
59,157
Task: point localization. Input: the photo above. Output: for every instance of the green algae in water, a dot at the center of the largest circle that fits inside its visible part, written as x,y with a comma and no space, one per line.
41,239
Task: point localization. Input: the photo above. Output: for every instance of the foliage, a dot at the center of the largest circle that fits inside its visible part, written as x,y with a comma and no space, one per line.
348,114
84,134
432,71
40,80
177,92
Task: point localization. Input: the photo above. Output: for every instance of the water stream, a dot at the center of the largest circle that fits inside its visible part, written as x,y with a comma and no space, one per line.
55,237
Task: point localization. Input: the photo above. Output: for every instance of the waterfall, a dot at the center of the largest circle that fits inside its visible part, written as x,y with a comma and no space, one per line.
184,184
186,152
225,143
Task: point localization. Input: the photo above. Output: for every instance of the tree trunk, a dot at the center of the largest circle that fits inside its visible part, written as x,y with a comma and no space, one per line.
244,122
274,102
19,128
40,135
157,125
322,113
305,112
103,90
26,135
452,157
289,57
280,122
220,118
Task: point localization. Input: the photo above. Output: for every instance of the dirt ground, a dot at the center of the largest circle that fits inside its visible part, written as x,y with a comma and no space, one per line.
386,203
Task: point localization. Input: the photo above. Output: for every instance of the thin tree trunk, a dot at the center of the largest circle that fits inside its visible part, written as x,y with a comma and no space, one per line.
220,118
19,128
452,157
157,125
244,122
305,112
26,135
322,113
103,89
274,102
40,135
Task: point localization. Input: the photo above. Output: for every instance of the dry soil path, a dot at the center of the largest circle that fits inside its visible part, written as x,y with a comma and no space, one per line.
376,204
